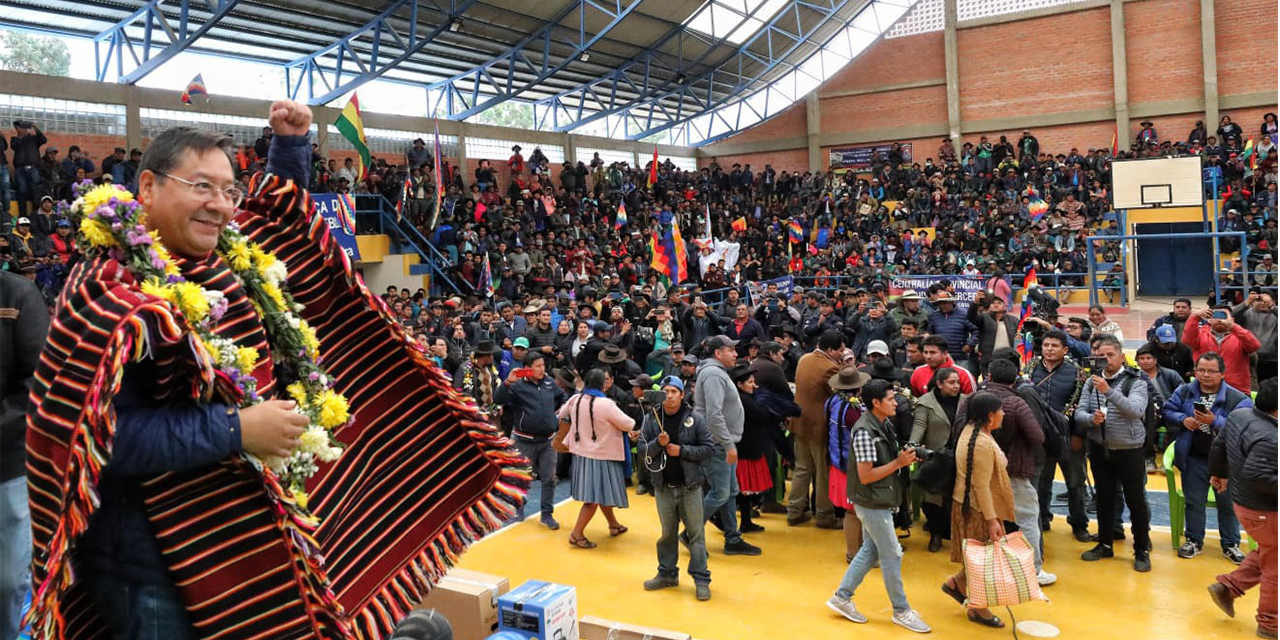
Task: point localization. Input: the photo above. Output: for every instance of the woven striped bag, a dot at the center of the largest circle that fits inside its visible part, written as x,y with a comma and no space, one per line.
1002,572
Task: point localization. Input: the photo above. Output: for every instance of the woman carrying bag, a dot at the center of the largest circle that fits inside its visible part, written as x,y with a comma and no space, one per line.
933,415
595,438
983,498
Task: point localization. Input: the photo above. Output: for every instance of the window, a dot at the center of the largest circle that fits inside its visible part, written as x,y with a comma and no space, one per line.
735,20
491,149
682,162
243,130
610,156
63,116
928,14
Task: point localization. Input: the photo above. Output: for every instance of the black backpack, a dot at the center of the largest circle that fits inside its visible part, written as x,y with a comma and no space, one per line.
1057,428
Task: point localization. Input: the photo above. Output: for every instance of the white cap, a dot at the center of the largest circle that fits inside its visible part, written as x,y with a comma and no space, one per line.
22,221
878,346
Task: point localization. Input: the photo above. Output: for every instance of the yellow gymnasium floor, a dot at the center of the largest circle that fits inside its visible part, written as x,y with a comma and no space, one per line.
781,594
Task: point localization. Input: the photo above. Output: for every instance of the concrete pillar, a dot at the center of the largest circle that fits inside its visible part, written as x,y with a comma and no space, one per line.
464,170
322,116
951,48
1209,56
813,119
1120,72
570,149
133,118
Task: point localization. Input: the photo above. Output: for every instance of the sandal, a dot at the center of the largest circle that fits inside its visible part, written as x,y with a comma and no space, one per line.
581,543
994,622
617,531
954,592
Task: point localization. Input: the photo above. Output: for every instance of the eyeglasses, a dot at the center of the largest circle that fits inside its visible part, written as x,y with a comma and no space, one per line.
1208,371
207,191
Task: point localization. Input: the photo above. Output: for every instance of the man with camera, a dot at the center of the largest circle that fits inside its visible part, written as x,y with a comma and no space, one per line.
1111,410
1195,414
26,160
996,328
1215,330
1257,314
531,398
1057,379
674,441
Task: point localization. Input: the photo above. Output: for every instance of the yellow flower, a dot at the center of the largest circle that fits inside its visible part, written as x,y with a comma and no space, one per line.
298,392
241,258
170,267
214,353
261,258
276,295
309,339
189,298
152,287
246,358
299,497
100,195
334,410
98,233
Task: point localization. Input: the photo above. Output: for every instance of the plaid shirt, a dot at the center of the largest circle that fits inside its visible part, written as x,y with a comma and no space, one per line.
864,447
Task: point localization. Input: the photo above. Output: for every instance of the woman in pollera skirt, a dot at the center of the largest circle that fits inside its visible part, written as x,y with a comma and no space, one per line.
843,409
753,469
596,440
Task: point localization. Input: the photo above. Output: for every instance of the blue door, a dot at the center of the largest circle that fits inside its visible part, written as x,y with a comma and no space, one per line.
1174,266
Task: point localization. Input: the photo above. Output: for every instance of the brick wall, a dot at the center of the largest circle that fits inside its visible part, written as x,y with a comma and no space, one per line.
1162,44
893,61
1246,39
790,160
922,105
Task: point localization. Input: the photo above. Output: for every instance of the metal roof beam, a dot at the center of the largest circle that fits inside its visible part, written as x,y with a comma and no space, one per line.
160,40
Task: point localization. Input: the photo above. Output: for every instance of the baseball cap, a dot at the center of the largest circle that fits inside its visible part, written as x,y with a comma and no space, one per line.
716,342
520,342
23,220
673,381
689,358
1166,335
64,223
878,346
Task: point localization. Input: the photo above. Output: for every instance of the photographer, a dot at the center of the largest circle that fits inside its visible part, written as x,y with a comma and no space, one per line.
1059,380
674,442
1111,409
1215,330
26,159
996,329
1195,413
531,398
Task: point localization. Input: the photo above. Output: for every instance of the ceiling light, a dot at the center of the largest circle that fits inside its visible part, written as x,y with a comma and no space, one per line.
681,79
586,57
456,25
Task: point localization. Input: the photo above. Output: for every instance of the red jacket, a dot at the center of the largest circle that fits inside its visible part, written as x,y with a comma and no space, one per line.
1234,349
924,373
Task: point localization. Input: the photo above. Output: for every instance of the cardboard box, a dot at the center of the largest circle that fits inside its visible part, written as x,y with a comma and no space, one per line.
594,628
540,611
469,599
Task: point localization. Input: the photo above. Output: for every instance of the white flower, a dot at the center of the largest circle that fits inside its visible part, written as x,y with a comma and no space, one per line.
293,321
330,454
212,296
314,440
277,273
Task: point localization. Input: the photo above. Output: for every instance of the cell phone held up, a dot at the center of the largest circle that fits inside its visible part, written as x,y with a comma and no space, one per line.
523,373
1097,364
1203,407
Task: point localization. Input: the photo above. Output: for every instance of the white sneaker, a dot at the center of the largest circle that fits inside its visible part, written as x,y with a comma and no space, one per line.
844,607
1045,578
911,620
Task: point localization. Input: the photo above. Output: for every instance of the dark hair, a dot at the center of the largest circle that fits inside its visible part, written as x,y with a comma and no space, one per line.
876,390
1108,338
594,379
1183,300
1146,350
940,375
1007,353
918,341
166,150
830,340
1098,308
980,407
909,321
1056,334
1002,371
1266,398
1213,355
533,357
935,340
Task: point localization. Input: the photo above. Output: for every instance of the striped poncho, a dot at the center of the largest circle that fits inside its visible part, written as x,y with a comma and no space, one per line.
423,476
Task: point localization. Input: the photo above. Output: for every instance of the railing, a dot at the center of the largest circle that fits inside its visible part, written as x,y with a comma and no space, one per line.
375,214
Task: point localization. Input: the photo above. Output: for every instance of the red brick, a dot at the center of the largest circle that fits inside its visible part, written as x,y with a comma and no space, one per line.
1162,44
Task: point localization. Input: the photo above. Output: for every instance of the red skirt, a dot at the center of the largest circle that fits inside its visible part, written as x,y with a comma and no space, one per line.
753,476
838,487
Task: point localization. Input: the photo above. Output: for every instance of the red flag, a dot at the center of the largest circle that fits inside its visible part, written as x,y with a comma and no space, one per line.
1115,142
480,211
653,169
740,224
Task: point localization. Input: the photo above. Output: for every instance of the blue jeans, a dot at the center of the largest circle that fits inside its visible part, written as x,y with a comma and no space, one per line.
4,190
879,542
138,611
1195,487
543,459
677,505
722,478
27,187
15,554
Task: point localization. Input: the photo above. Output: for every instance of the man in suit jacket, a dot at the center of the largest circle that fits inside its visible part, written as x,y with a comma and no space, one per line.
996,328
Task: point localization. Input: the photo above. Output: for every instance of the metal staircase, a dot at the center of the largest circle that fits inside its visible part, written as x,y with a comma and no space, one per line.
374,212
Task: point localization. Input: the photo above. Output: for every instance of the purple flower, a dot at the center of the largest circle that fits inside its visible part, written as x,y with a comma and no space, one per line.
174,279
116,254
157,262
313,376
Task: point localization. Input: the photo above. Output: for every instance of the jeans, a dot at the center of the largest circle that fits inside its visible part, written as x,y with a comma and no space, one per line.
1195,487
4,190
543,459
1127,469
15,554
811,466
879,542
138,611
677,505
722,478
1259,567
26,187
1026,514
1073,473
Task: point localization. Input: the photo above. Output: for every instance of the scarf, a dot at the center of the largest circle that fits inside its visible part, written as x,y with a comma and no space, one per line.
389,525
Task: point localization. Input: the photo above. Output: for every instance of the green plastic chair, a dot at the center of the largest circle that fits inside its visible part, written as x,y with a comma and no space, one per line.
1178,505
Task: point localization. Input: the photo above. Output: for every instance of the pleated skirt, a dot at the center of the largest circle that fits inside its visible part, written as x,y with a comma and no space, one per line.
753,476
601,482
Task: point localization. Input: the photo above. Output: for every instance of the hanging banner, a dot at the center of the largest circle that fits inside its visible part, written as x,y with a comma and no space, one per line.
860,157
339,210
758,289
966,287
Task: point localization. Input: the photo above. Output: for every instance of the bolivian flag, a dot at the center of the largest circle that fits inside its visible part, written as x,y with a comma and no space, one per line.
351,126
1247,156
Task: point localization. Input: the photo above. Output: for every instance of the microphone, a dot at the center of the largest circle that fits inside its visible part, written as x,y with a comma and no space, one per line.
423,624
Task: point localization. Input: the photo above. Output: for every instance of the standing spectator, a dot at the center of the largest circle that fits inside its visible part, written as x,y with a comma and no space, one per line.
996,328
598,476
697,324
1257,314
76,160
1171,353
983,499
24,321
4,176
418,156
758,425
935,358
262,146
26,158
1176,318
679,436
476,377
1164,382
743,329
955,328
812,391
908,308
1100,323
843,411
716,400
1195,414
1112,406
530,397
1243,459
1214,330
933,416
875,324
1229,132
1057,379
877,486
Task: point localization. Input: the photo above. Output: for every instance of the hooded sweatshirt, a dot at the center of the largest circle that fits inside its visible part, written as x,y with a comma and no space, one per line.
716,401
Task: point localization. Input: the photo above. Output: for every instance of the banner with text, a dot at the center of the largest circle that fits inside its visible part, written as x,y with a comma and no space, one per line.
860,157
339,210
966,287
756,289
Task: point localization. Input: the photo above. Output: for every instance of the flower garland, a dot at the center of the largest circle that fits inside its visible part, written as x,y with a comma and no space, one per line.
114,223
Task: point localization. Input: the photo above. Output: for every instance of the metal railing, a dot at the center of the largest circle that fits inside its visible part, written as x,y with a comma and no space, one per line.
375,214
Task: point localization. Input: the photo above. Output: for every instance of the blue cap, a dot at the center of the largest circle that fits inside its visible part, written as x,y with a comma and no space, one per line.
673,381
1165,334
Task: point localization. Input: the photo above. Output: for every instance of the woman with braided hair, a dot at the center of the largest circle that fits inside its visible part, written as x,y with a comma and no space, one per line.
983,498
597,478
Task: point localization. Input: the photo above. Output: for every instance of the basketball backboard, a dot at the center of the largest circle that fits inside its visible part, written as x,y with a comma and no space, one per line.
1157,182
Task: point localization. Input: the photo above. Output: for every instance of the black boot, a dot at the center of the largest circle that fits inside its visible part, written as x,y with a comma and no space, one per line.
745,525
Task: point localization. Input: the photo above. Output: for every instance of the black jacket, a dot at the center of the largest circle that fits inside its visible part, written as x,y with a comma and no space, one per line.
24,323
1245,453
26,149
987,326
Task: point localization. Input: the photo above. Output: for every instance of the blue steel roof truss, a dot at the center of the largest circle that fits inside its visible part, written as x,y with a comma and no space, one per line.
160,41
